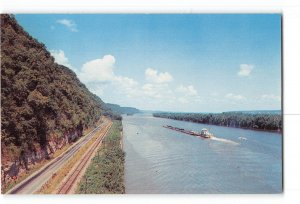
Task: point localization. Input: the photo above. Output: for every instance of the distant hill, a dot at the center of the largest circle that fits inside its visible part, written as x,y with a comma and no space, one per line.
121,110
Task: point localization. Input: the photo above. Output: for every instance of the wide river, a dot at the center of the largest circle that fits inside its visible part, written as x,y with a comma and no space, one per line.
160,160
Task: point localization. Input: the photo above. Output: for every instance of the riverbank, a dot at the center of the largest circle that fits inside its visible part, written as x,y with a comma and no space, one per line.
257,122
105,174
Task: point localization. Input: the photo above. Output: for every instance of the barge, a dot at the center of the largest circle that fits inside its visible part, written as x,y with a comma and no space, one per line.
204,132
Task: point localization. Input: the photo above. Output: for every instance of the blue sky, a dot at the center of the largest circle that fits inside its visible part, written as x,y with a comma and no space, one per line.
171,62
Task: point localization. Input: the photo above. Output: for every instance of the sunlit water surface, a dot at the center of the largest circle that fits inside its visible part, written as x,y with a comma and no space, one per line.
160,160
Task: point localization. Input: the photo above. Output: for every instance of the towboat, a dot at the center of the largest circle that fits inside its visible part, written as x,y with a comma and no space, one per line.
205,133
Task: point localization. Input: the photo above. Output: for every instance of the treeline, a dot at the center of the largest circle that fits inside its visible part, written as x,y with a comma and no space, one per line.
121,110
105,174
41,101
270,122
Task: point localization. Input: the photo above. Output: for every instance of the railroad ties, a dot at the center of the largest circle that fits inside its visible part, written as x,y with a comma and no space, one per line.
68,184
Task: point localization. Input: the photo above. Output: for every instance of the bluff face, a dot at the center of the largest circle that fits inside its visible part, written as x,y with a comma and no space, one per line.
43,104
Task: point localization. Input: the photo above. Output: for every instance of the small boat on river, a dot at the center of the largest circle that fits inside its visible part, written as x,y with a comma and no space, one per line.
243,138
204,132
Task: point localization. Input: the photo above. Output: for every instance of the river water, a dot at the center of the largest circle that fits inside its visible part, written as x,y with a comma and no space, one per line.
160,160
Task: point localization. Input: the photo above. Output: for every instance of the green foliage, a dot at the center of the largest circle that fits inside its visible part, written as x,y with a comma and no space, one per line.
13,151
39,97
121,110
106,171
270,122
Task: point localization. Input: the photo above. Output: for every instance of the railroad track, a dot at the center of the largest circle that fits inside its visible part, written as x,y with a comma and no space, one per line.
68,184
36,181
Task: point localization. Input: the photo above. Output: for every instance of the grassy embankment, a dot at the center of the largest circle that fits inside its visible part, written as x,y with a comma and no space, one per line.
105,173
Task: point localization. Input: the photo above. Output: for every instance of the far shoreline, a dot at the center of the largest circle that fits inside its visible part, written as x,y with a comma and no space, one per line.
253,129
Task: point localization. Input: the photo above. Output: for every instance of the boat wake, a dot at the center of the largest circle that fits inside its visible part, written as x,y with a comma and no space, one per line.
224,140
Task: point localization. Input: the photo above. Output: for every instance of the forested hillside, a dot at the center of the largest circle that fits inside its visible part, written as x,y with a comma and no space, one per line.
41,101
271,122
121,110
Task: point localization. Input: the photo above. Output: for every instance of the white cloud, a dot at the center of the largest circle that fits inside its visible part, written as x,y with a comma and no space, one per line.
187,90
245,70
125,81
164,94
153,76
151,91
126,86
71,25
98,70
236,97
99,75
60,58
158,91
187,94
154,93
270,97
